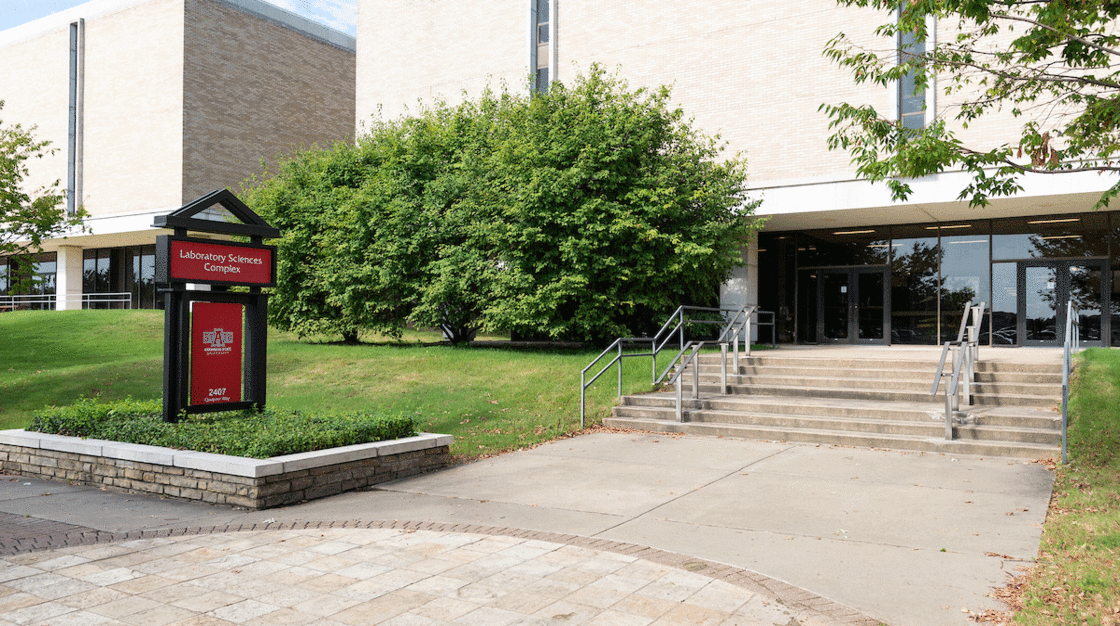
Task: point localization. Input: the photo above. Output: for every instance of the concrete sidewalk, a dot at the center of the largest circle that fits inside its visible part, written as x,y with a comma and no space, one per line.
905,538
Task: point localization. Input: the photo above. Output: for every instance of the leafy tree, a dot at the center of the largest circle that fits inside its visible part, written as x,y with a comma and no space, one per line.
1052,64
306,200
581,213
614,211
26,220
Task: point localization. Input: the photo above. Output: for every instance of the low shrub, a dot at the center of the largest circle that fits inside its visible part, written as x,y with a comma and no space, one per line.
255,434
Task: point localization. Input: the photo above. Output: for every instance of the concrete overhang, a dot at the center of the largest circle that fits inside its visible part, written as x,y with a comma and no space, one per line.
801,205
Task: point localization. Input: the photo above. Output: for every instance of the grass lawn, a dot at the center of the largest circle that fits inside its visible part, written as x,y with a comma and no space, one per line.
1077,578
492,400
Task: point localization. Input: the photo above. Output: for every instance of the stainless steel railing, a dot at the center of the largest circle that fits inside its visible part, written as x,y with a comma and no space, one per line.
966,354
1071,346
87,300
735,328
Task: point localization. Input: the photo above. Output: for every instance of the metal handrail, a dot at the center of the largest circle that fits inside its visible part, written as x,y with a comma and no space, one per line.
735,323
676,378
12,302
966,354
618,343
1071,346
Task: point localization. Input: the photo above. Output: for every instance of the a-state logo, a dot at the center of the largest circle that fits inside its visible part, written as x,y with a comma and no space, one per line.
217,338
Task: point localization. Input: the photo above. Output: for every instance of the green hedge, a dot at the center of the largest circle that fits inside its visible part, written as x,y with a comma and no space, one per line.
254,434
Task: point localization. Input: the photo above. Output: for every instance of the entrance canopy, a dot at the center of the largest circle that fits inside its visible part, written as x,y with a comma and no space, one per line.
908,283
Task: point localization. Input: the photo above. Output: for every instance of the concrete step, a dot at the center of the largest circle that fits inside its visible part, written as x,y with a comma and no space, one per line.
655,405
862,439
861,402
713,369
1041,378
798,391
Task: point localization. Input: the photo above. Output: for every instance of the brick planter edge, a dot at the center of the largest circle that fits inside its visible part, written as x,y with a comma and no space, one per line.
217,478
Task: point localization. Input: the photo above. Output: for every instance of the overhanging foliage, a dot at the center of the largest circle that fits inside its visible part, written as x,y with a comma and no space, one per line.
1054,65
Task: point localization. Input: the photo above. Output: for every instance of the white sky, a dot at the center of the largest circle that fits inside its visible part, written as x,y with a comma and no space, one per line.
339,14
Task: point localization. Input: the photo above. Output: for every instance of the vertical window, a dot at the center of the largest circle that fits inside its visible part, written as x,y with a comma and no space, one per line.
541,45
911,97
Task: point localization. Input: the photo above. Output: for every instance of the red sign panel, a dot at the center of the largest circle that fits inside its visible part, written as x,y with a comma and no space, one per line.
216,339
206,262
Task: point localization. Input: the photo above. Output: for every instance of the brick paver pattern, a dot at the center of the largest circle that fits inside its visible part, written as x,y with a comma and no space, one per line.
393,573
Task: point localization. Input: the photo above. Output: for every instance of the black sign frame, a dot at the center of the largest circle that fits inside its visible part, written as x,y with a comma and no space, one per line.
177,301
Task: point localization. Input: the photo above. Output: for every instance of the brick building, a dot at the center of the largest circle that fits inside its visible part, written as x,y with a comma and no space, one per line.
838,261
171,99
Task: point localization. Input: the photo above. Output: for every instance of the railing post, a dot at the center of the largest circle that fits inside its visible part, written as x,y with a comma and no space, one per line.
582,394
680,412
736,344
747,334
723,368
696,373
966,388
948,419
620,369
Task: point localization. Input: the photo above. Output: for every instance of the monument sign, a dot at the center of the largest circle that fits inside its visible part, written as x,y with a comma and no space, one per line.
215,339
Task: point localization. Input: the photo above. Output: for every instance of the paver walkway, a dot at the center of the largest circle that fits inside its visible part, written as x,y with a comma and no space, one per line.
321,576
822,535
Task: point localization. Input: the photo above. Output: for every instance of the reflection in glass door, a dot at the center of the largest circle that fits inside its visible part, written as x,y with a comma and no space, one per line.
852,305
835,293
1046,286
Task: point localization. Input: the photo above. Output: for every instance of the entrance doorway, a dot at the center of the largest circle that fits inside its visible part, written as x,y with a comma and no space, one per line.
852,305
1045,286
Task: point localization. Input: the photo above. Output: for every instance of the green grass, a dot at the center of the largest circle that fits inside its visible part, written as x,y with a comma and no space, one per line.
492,400
1077,579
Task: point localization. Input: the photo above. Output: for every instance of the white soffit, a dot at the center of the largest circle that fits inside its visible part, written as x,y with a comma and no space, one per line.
803,205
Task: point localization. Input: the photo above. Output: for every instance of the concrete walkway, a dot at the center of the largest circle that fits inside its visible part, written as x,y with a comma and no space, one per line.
607,528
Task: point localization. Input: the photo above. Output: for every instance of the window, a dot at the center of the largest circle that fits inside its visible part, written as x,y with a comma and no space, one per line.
540,52
116,271
911,97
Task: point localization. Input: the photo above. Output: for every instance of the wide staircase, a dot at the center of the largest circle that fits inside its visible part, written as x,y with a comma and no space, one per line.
861,397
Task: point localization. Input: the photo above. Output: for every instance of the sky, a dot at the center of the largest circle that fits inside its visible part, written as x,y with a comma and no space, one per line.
339,14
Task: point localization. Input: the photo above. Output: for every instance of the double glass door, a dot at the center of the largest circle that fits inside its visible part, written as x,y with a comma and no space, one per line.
1045,286
852,305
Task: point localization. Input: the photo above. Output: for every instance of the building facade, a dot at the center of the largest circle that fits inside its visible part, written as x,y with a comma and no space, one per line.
838,261
150,104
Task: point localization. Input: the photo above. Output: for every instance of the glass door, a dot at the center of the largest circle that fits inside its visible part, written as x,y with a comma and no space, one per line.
852,305
1045,287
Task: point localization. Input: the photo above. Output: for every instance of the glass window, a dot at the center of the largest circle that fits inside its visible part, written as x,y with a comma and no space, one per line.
807,305
1005,305
845,246
915,263
1058,236
776,282
965,267
541,39
3,277
911,98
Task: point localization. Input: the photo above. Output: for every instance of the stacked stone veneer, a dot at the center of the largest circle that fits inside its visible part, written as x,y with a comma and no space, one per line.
216,478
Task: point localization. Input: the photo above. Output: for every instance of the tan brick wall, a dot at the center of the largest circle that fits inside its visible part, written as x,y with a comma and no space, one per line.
133,109
752,72
410,50
34,79
254,89
132,112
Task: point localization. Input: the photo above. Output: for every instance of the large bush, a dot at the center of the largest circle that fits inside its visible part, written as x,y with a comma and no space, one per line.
583,213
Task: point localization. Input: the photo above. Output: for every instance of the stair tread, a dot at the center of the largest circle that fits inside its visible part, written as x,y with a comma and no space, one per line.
885,437
671,411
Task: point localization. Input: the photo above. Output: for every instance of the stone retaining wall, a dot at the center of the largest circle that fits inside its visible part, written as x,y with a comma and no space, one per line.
216,478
